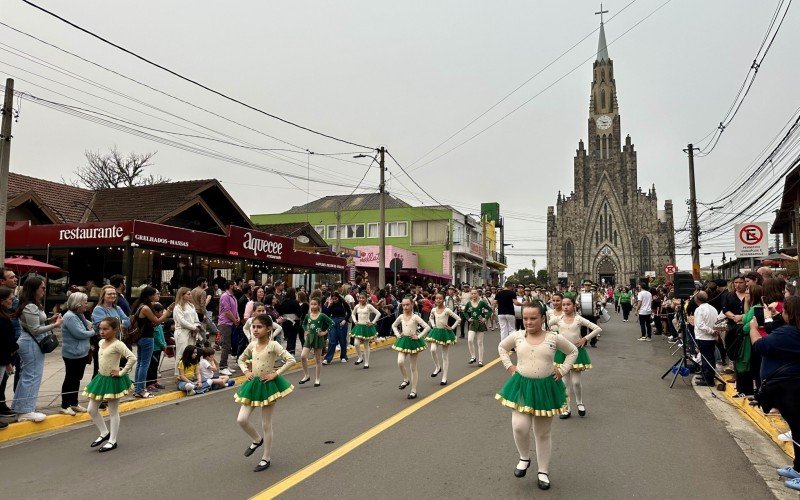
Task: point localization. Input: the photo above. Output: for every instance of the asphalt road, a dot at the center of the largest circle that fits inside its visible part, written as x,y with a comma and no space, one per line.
639,439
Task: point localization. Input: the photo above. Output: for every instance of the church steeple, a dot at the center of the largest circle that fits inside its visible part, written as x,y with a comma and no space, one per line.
604,123
602,47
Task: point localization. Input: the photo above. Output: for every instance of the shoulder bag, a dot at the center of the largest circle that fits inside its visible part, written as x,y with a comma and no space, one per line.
766,394
47,344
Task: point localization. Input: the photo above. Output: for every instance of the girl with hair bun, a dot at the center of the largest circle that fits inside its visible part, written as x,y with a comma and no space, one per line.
364,318
442,335
534,392
409,343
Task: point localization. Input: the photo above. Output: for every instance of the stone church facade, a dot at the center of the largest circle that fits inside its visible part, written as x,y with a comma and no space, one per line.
607,229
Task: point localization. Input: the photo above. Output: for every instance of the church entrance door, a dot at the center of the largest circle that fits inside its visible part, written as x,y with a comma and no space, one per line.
606,271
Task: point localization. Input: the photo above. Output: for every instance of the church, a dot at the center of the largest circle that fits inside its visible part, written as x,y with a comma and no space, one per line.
607,230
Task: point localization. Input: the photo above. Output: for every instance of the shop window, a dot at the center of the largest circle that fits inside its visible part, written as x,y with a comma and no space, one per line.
397,229
332,232
372,230
458,233
320,230
353,231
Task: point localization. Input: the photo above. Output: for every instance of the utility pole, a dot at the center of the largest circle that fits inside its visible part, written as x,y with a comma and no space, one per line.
5,157
485,248
339,230
693,214
382,223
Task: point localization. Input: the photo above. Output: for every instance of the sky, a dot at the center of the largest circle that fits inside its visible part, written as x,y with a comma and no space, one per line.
405,75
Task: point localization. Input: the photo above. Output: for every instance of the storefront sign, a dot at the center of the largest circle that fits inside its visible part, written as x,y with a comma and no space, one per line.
26,235
160,235
368,256
259,245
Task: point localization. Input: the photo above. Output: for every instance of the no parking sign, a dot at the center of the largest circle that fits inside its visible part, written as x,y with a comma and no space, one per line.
751,240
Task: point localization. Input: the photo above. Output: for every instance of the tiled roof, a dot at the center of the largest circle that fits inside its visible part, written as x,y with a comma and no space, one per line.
292,230
369,201
147,203
67,202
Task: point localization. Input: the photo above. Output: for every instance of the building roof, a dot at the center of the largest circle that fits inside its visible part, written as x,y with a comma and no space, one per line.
293,230
370,201
784,220
602,47
170,202
68,203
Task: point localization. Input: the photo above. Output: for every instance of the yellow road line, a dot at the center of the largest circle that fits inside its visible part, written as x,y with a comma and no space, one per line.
18,430
309,470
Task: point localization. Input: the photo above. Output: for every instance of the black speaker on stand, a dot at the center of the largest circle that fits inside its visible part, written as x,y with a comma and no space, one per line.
683,285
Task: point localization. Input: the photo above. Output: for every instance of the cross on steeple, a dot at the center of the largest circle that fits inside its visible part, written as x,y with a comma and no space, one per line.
601,13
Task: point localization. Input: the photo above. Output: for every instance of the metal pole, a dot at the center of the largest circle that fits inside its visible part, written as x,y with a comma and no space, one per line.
485,249
382,225
5,157
693,213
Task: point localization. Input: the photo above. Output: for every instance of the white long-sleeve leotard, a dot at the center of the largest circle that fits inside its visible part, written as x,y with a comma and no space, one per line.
439,320
572,331
410,325
361,315
536,361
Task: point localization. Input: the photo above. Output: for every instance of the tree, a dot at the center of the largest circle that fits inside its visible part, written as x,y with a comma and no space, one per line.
113,170
524,276
541,277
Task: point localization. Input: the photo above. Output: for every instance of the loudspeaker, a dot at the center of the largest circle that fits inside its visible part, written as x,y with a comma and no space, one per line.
683,285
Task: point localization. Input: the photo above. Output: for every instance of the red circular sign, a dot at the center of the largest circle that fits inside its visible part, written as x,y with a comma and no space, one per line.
751,234
669,269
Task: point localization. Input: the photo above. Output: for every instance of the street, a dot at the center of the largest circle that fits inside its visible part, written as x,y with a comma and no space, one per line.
639,439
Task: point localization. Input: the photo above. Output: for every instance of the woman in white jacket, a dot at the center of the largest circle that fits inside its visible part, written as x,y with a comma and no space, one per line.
187,323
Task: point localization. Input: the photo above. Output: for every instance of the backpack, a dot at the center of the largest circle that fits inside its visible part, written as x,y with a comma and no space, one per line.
132,335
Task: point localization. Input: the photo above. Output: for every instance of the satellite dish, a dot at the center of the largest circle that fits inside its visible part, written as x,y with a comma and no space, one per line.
303,238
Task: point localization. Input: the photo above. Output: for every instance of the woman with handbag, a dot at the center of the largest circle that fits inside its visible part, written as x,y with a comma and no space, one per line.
106,308
780,374
75,335
187,323
35,328
8,344
146,321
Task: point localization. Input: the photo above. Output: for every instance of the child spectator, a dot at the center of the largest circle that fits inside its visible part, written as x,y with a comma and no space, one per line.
187,371
208,367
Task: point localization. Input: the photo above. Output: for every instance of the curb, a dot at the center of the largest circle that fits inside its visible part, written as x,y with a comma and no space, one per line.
18,430
771,425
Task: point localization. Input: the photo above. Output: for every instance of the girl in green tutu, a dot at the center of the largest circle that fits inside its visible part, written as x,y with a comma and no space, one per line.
569,325
315,325
443,335
535,392
409,343
110,383
364,318
264,385
477,312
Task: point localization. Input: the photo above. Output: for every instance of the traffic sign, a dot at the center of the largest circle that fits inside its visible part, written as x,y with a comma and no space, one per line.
751,240
669,269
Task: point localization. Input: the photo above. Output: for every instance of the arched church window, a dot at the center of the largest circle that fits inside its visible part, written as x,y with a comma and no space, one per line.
569,257
615,239
603,98
596,237
603,75
597,147
644,255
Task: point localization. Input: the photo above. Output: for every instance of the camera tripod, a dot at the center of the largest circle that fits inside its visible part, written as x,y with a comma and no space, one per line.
683,364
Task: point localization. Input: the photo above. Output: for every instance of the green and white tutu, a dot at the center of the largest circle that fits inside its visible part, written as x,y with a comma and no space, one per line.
475,325
364,332
541,397
254,392
314,341
107,387
443,336
581,363
409,345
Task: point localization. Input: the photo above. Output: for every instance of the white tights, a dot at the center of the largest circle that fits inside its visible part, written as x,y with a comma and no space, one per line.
304,354
113,412
357,345
521,425
573,381
472,337
401,362
266,422
445,364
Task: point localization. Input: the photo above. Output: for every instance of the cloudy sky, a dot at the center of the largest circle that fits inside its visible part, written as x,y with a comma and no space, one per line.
407,75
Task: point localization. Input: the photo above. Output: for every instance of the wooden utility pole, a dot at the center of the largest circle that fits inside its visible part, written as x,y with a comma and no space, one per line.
382,223
5,158
693,214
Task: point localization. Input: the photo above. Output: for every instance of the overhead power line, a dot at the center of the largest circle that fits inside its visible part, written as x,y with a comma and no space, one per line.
192,81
